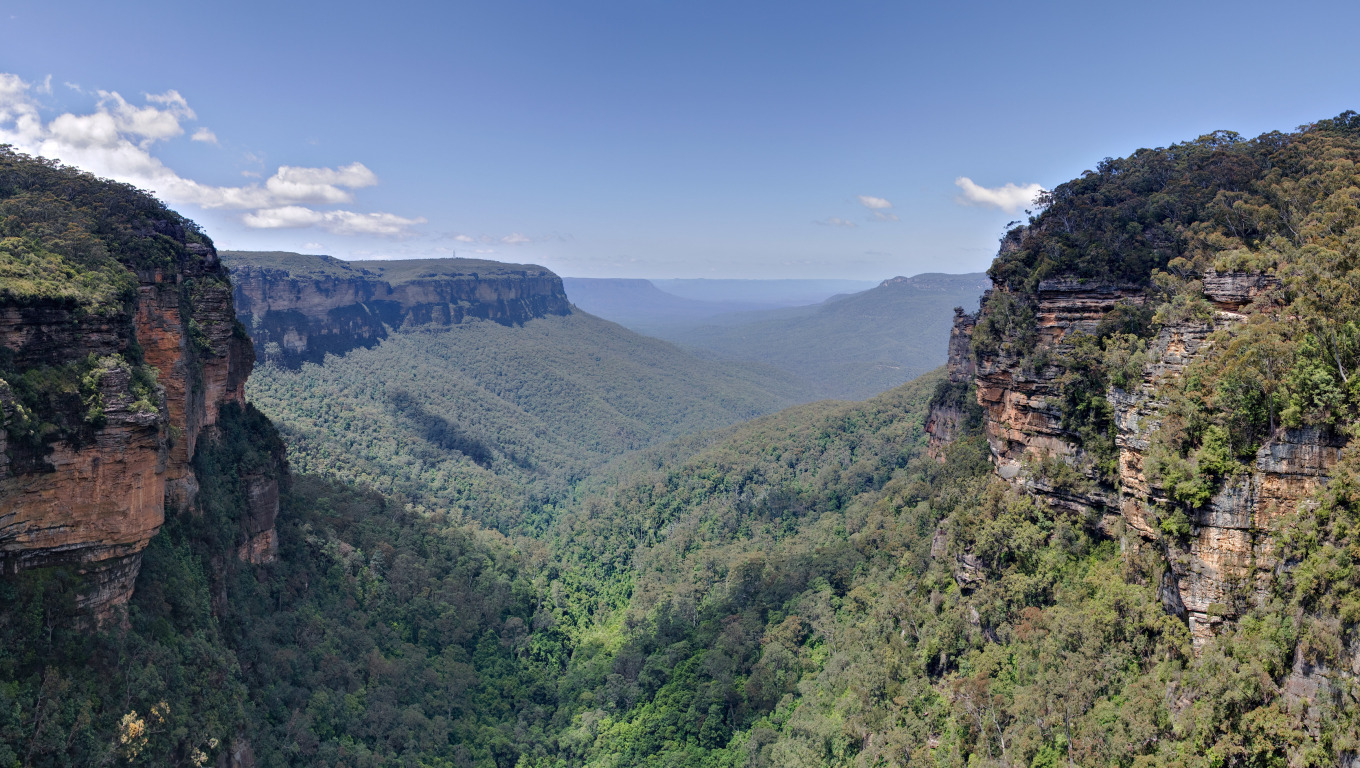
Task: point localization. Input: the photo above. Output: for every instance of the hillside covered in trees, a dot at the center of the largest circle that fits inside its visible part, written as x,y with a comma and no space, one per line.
499,421
817,586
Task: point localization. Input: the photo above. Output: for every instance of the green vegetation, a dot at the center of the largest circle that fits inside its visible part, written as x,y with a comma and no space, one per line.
1282,205
497,422
67,236
805,589
70,246
808,588
29,274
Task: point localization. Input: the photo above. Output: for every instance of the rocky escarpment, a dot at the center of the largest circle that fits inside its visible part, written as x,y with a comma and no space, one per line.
1225,562
119,348
301,308
949,409
95,498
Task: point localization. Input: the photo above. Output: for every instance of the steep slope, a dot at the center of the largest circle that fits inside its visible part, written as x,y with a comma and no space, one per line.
496,419
1167,376
118,349
850,346
993,565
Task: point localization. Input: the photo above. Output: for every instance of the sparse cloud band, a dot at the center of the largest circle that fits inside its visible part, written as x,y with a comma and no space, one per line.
880,208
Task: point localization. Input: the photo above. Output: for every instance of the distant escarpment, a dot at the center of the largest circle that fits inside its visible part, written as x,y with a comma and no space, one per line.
1169,356
119,347
300,308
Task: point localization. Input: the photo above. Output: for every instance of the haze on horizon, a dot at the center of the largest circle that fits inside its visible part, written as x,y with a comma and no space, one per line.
800,140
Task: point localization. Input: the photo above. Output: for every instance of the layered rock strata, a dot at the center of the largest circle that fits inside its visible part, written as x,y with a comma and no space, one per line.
1227,560
301,308
94,499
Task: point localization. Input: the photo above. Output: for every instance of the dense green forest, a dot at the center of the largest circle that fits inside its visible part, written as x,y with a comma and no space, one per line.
809,588
497,422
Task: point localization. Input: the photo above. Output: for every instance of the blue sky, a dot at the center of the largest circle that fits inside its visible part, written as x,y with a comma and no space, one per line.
642,138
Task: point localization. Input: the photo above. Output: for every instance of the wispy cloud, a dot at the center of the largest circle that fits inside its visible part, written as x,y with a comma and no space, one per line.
878,207
117,140
836,221
1010,197
514,238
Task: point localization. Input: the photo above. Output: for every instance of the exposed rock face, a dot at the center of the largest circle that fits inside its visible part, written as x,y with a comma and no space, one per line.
262,506
299,310
1231,291
946,417
1023,418
1227,561
96,498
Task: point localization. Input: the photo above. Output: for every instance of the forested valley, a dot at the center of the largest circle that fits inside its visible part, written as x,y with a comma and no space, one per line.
580,571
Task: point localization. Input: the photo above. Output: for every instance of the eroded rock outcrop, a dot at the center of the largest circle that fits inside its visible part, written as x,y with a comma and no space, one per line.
158,370
947,414
1020,393
300,308
1226,562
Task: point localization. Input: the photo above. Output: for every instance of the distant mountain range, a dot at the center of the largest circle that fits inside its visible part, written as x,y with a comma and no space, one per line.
843,345
650,305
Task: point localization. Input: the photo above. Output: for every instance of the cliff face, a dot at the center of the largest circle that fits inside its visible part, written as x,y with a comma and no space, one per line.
299,308
1226,561
87,476
947,415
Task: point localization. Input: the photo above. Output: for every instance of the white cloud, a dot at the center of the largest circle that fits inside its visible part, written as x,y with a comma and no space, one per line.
836,221
1010,198
879,207
516,238
117,138
465,238
314,246
284,217
351,223
46,86
339,222
485,250
319,185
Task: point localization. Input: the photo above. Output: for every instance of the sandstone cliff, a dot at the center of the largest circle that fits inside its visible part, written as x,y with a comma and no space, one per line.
300,308
1226,561
105,392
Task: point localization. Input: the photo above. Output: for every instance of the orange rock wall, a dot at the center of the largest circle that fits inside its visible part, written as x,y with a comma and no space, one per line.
96,504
